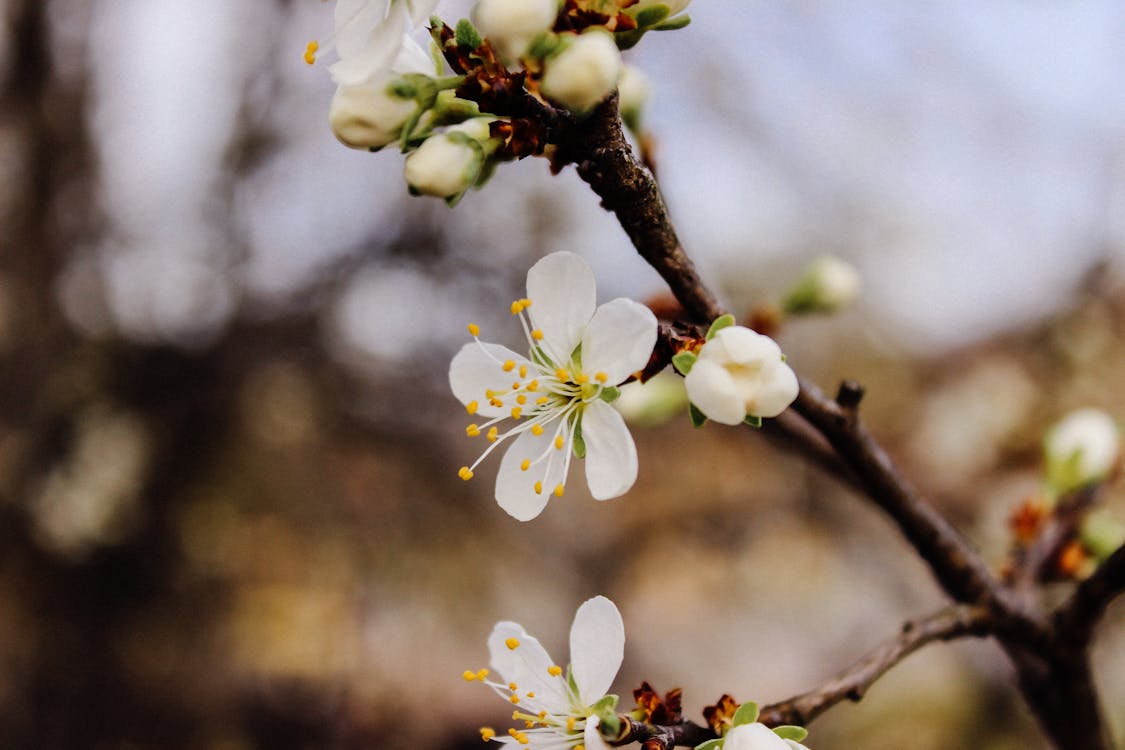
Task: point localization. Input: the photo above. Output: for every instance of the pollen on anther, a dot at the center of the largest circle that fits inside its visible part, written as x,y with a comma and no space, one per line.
496,402
516,412
514,699
516,308
464,473
474,329
537,335
601,377
472,407
538,488
481,674
493,434
523,371
511,685
531,694
468,676
582,378
512,644
537,429
487,733
525,302
542,714
533,386
558,490
558,442
525,464
516,386
570,722
562,374
554,670
509,366
472,430
310,52
521,399
527,722
542,400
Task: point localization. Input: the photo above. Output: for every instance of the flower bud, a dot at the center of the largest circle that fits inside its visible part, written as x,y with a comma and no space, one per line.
368,116
511,25
633,91
447,164
654,402
828,285
674,6
584,73
1081,449
740,373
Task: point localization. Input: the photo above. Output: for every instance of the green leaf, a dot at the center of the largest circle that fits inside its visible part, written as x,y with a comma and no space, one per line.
790,732
579,443
628,39
652,15
753,421
684,361
673,23
710,745
721,322
610,394
698,418
747,713
467,35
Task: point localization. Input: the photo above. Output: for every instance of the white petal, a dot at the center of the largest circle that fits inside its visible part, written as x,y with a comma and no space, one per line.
515,488
473,371
597,645
618,340
611,455
421,10
712,389
526,665
592,738
355,21
776,392
753,737
744,346
369,51
563,293
412,58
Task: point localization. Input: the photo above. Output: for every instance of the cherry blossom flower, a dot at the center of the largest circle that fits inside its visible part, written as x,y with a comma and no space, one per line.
1081,448
757,737
558,707
369,35
552,405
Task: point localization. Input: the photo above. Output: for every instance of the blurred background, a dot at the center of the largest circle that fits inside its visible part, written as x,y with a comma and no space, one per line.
229,511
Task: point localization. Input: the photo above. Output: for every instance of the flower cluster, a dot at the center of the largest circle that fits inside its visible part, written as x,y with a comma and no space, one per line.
456,128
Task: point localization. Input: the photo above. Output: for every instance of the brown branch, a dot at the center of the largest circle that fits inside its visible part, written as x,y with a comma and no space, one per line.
1076,620
852,683
1035,563
661,737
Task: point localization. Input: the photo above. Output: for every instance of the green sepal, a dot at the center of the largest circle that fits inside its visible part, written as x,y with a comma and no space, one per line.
698,418
676,22
684,361
652,15
467,35
710,745
605,706
747,713
610,394
544,45
753,421
790,732
628,39
578,442
721,322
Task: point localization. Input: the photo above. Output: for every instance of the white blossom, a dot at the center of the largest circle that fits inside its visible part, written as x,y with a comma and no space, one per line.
585,72
828,284
556,706
757,737
1081,448
740,373
448,163
369,35
552,403
511,25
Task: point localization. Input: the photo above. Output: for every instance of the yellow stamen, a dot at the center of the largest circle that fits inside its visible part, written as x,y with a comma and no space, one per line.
489,393
582,378
509,366
511,685
472,407
523,371
525,302
558,442
521,399
496,402
562,374
536,429
474,329
554,670
469,676
537,335
530,694
542,400
601,377
542,714
516,386
487,733
522,739
538,488
493,433
533,386
512,644
516,411
570,722
525,465
472,430
310,52
481,674
465,474
515,699
516,308
559,491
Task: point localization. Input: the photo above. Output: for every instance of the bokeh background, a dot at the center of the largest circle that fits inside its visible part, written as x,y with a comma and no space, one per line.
229,511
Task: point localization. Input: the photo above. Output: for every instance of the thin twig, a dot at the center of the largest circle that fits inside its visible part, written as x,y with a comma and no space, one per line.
1076,620
1034,565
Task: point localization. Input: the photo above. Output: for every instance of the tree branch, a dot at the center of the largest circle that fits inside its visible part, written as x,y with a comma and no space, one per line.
1035,563
1076,620
853,682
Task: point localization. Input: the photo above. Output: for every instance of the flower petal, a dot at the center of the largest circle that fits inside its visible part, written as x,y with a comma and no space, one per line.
753,737
597,646
368,47
618,340
712,389
526,665
742,345
473,371
563,293
592,737
420,10
515,488
775,393
611,455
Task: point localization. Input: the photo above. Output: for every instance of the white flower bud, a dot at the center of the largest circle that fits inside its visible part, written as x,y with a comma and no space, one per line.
447,164
756,737
828,284
511,25
674,6
1080,449
584,73
368,116
633,91
740,373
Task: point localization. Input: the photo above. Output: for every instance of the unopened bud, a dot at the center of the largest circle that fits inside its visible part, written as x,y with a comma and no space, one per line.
829,284
633,91
511,25
1081,449
738,374
674,6
447,164
584,73
368,116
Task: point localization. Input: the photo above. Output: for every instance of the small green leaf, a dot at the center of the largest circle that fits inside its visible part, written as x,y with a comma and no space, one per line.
628,39
610,394
606,705
684,361
721,322
753,421
673,23
466,35
652,15
790,732
747,713
698,418
710,745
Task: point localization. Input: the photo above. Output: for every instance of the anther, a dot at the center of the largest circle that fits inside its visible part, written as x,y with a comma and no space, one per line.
487,733
514,699
493,433
511,685
537,335
537,429
516,411
525,464
525,302
472,430
554,670
538,488
533,386
472,407
469,676
542,400
582,378
521,399
570,722
516,308
523,371
558,490
601,377
530,694
496,402
512,644
465,474
562,374
516,386
310,52
481,674
509,366
474,330
558,442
